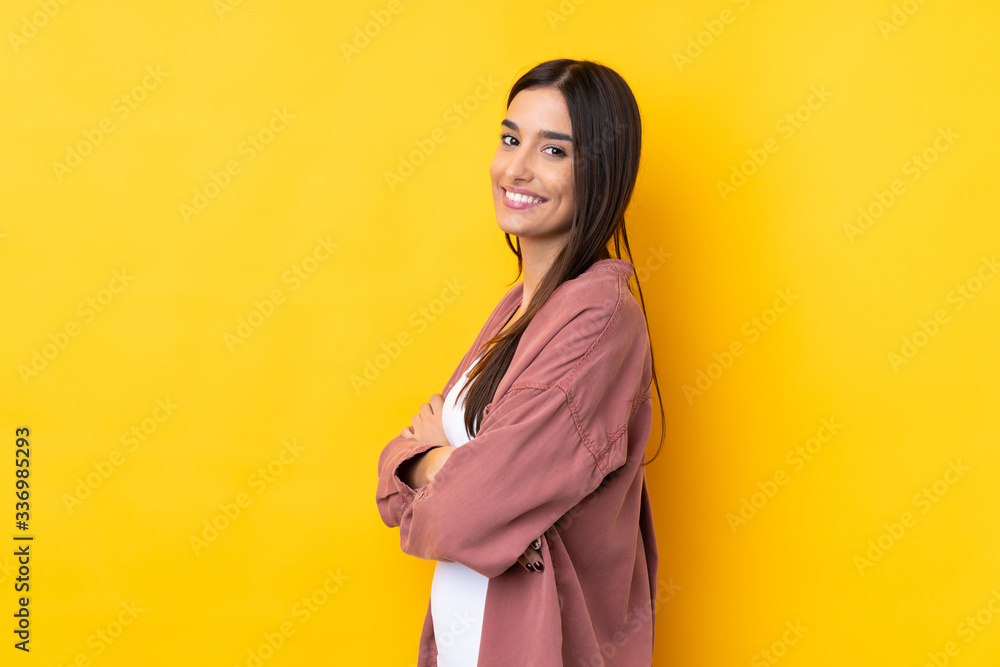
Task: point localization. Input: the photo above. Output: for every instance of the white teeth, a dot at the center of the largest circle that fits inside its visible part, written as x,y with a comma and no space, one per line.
523,198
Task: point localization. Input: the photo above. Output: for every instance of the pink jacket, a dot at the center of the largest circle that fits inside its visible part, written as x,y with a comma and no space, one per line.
556,455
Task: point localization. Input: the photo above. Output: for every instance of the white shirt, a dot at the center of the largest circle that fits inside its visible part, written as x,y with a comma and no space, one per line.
458,593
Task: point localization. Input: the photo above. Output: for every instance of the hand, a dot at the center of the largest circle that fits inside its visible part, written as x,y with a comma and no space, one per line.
435,459
422,468
531,559
427,423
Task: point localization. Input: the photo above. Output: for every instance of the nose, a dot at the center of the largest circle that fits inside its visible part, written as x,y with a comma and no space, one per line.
518,166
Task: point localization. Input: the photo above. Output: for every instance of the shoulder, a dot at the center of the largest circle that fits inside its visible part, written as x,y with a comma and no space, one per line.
596,302
588,325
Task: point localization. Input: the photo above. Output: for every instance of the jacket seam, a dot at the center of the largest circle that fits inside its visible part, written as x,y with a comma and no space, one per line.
571,375
578,422
623,429
599,456
600,337
639,400
563,384
574,413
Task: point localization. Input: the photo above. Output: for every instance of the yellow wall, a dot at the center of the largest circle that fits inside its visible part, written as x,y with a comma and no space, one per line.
201,253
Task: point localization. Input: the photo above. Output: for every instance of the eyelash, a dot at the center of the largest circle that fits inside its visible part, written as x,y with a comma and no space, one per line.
561,151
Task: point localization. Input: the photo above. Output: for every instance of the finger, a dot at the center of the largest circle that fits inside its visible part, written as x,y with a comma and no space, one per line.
533,560
525,564
437,403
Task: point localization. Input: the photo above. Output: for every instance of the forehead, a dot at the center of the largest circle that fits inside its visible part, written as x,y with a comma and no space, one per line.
539,108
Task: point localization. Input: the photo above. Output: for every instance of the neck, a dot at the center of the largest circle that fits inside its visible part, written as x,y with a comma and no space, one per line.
537,257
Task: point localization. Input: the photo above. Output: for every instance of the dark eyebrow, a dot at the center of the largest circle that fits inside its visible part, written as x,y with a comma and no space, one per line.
544,134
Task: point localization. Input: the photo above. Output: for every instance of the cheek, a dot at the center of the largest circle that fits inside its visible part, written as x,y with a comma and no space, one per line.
566,199
566,189
496,168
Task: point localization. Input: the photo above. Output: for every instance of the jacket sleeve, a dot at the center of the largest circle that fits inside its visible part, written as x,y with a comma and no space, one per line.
393,494
545,445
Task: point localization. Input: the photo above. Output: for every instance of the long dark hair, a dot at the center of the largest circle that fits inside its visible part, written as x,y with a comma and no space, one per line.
607,138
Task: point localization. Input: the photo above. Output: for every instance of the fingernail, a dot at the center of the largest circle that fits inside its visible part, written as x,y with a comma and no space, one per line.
536,544
538,566
528,565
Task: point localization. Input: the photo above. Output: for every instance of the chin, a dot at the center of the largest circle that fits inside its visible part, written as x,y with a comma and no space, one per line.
504,227
512,223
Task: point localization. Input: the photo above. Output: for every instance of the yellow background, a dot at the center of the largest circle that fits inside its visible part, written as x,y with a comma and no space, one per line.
894,75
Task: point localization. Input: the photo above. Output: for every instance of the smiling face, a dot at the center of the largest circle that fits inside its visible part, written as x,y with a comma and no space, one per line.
535,161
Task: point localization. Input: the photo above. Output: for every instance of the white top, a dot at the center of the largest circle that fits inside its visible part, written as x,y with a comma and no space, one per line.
458,593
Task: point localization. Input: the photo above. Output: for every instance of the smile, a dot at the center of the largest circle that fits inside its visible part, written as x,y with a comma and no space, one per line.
520,202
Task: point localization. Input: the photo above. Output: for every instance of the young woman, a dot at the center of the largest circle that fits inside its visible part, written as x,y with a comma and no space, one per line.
524,478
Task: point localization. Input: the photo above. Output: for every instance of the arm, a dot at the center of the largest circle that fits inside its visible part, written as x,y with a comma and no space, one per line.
426,427
504,488
394,493
547,444
422,468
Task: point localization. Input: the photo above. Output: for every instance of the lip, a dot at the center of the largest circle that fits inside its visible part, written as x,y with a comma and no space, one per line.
517,205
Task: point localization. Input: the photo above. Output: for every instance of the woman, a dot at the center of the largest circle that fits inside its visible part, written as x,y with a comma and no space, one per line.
524,477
